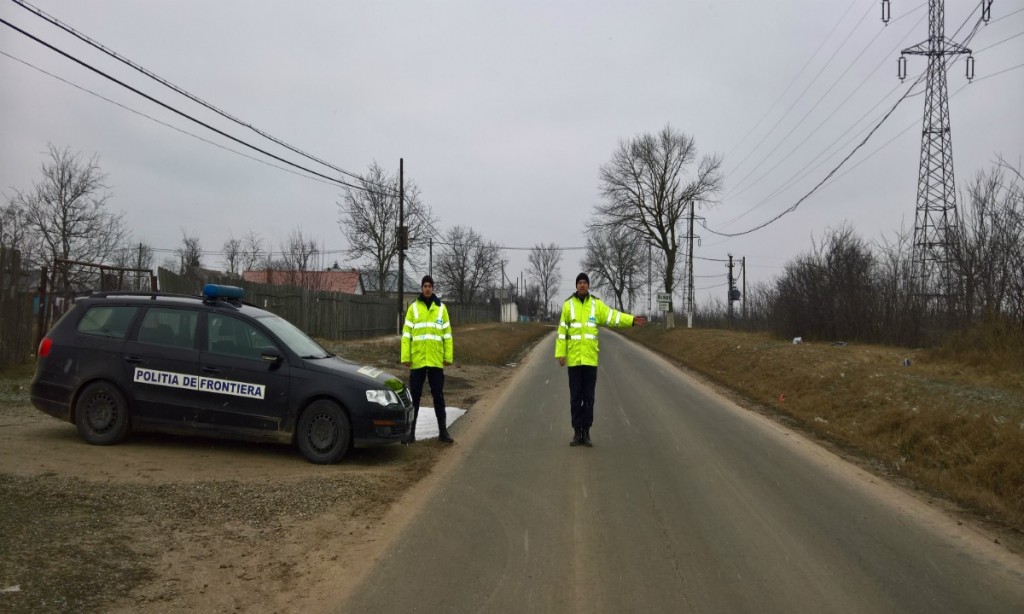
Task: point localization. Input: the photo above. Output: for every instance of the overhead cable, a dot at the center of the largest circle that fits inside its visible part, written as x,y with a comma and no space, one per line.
181,113
53,20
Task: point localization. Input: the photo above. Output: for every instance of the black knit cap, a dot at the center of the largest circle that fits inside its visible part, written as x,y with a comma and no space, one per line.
427,279
584,277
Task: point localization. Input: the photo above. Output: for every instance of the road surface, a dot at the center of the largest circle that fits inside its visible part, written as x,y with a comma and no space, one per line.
686,503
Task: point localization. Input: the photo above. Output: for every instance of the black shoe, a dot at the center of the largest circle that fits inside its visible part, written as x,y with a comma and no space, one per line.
445,437
586,438
577,438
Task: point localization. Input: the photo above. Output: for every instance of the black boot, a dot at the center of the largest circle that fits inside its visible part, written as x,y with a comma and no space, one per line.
411,437
442,431
586,438
577,438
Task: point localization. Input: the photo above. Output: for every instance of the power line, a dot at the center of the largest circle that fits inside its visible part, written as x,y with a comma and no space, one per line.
827,177
181,113
814,131
906,95
53,20
800,96
786,89
162,123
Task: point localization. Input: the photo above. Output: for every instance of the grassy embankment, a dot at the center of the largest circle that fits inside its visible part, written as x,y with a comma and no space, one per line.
952,420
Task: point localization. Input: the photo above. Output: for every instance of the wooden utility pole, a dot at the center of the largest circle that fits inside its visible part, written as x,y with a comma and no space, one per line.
401,243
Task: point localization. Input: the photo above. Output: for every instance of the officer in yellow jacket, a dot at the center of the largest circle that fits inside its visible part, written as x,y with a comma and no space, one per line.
427,350
576,345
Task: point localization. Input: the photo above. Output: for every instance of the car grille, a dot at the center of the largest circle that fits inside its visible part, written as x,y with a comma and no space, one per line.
405,397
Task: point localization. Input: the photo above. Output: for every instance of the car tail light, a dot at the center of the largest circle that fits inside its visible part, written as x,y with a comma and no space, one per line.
44,347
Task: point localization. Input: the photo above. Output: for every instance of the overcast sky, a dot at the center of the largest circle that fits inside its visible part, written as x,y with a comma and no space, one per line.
504,112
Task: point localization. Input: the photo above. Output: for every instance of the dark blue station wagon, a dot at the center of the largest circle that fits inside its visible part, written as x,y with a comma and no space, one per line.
210,365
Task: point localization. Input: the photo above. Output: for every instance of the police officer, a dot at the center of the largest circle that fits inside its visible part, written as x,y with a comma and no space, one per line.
426,350
576,345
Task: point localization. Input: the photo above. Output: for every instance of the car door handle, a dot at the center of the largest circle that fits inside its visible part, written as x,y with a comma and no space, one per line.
133,358
210,370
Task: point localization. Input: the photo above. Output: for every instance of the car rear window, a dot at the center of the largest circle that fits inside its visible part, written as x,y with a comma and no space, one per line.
107,321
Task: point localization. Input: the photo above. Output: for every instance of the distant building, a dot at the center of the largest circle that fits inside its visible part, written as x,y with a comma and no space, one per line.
331,280
410,282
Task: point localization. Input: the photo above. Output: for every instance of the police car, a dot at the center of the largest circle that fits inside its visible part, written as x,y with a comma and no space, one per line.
210,365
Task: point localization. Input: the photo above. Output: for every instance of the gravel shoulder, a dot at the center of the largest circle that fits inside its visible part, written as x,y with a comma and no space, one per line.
163,523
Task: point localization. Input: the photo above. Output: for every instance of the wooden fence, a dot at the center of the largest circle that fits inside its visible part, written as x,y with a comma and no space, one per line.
326,315
17,324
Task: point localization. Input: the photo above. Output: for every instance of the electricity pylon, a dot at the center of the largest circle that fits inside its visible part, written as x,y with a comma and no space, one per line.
936,217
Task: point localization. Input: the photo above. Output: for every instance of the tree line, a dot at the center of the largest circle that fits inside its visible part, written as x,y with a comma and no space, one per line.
843,288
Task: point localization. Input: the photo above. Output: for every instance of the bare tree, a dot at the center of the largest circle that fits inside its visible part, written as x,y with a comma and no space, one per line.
67,213
253,254
301,260
369,217
232,255
988,248
645,191
616,259
190,254
543,269
15,233
138,256
467,265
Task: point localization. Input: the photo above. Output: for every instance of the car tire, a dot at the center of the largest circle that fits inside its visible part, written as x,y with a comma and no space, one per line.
324,434
101,414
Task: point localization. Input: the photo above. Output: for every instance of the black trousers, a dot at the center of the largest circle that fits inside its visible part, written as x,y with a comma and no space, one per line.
582,383
435,376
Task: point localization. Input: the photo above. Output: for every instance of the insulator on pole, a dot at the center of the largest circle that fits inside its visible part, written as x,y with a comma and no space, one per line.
986,10
885,11
970,67
901,65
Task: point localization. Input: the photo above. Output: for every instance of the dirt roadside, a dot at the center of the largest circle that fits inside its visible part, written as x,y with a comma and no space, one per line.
162,523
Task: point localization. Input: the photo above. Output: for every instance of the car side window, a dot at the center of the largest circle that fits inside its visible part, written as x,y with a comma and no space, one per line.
233,337
169,327
107,321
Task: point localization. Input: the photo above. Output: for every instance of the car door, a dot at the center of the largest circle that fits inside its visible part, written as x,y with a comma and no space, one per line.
163,365
240,388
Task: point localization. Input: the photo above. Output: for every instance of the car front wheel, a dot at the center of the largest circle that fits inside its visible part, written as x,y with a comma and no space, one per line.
324,433
101,414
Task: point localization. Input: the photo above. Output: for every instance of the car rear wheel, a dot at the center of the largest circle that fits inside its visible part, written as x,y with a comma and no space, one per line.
101,414
324,434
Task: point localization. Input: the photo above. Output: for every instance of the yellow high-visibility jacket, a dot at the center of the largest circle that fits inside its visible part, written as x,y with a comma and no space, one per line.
427,335
577,329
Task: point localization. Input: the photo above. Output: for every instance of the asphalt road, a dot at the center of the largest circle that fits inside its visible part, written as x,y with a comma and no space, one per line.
686,503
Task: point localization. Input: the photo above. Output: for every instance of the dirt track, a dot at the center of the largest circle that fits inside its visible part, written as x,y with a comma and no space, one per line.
163,523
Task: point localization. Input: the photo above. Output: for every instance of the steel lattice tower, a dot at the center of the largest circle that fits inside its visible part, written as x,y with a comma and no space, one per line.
936,217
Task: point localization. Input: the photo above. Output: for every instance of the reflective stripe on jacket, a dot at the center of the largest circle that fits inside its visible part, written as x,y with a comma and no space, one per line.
426,335
577,329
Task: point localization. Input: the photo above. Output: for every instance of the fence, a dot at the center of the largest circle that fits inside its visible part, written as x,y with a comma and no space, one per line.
17,324
327,315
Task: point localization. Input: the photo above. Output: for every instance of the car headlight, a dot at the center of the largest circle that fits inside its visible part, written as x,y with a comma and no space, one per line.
382,397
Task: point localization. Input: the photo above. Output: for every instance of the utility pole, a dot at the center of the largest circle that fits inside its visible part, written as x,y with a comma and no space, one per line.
402,243
689,272
743,273
729,292
936,217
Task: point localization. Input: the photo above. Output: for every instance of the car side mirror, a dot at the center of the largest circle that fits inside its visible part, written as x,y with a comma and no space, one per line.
271,354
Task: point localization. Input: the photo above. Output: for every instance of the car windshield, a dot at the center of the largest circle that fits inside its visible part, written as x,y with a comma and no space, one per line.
296,340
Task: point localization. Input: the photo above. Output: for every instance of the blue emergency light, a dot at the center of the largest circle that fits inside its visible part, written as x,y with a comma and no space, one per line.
215,292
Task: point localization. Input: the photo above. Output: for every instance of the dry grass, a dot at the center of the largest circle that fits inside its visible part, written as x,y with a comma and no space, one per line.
954,427
491,344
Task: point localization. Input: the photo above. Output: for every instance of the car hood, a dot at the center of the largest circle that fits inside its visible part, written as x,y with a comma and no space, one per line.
372,377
